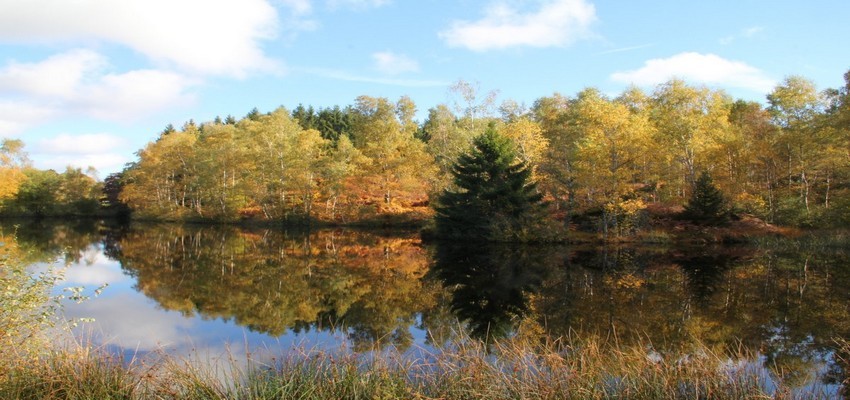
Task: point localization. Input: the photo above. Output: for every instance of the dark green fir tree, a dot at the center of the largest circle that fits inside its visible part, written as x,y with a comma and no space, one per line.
494,198
706,205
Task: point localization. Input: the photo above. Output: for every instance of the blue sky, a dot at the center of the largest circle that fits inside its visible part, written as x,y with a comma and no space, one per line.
90,82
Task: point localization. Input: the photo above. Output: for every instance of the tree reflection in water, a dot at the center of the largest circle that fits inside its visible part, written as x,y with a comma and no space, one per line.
490,285
704,272
366,285
786,304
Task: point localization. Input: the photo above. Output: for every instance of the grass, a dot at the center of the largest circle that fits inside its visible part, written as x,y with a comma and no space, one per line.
77,374
464,369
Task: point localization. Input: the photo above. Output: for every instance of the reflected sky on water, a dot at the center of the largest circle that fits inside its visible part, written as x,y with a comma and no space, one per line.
133,323
213,290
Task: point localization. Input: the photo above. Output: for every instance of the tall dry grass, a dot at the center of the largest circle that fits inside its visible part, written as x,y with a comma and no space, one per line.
463,369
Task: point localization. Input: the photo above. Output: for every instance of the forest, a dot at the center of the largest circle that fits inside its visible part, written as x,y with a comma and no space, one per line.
600,163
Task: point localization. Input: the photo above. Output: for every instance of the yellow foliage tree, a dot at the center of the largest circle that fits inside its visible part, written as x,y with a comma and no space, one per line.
614,140
528,137
400,166
12,162
689,121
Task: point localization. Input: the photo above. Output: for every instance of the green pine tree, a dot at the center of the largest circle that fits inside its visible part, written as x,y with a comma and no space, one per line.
706,204
494,199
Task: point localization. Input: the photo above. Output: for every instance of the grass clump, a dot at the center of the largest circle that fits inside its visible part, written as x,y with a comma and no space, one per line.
469,369
77,373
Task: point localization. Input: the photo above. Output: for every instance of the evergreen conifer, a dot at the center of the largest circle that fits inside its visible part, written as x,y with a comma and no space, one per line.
706,204
494,198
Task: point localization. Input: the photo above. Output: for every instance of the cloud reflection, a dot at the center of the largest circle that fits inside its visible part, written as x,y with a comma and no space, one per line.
95,268
131,321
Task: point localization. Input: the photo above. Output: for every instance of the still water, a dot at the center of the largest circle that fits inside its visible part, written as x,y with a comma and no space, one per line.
187,289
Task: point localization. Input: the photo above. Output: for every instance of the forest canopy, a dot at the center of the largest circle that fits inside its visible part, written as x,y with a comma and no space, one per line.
27,191
597,160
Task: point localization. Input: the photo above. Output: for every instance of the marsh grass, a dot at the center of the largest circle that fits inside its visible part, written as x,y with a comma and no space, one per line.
72,374
462,369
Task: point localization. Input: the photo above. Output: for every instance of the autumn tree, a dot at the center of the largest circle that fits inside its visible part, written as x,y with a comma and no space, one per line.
285,160
593,155
445,140
471,104
225,169
78,192
758,163
163,182
37,196
528,138
688,120
342,164
559,160
649,169
614,143
837,179
13,160
839,104
382,132
795,105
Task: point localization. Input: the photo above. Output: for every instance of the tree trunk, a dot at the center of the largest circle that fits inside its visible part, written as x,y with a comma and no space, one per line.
828,181
805,191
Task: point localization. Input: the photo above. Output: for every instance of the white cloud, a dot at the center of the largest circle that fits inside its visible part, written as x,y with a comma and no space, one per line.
357,3
299,19
394,64
707,69
80,144
206,36
128,96
556,23
77,83
299,7
747,33
58,75
104,163
753,31
346,76
103,151
625,49
17,116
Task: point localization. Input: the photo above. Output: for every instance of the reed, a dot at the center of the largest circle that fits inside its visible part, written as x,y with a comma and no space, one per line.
462,369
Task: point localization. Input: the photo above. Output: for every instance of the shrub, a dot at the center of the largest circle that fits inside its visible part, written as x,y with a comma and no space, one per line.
27,310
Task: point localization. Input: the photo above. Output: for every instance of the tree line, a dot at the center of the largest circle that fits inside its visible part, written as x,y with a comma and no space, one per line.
31,192
593,157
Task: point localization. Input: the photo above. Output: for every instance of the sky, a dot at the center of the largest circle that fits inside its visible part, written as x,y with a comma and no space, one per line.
90,82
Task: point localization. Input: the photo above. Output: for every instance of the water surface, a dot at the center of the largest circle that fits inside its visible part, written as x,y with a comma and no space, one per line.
212,289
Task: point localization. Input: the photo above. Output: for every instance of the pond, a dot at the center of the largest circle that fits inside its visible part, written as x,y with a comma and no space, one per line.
196,288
